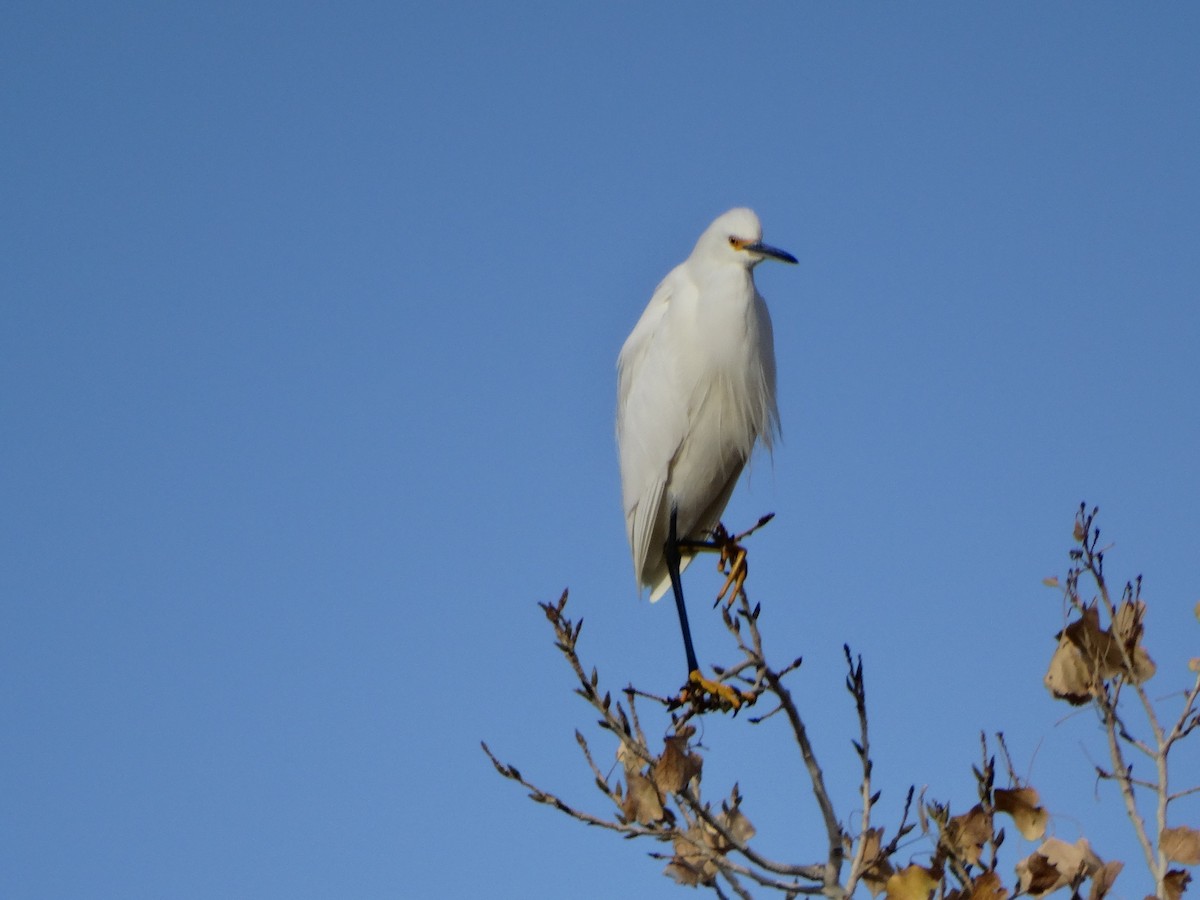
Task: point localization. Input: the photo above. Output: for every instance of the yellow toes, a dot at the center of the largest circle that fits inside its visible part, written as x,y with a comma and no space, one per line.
701,692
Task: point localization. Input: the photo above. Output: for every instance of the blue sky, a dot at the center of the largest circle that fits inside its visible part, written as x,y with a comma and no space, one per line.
307,338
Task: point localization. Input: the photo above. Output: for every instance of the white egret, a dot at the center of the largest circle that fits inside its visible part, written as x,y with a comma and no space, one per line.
695,391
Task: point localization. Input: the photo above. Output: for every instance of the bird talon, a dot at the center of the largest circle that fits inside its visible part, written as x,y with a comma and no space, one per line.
736,577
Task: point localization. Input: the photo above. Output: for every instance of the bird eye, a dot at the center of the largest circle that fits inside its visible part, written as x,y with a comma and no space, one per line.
733,242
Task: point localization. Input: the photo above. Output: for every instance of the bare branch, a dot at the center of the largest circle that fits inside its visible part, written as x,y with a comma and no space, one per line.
856,685
538,795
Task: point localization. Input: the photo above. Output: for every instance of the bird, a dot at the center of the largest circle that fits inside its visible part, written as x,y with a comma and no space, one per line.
695,393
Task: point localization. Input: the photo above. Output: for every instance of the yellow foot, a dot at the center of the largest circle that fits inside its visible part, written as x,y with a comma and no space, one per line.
704,694
736,578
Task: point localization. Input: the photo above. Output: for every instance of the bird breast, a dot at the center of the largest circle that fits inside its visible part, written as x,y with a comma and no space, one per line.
727,362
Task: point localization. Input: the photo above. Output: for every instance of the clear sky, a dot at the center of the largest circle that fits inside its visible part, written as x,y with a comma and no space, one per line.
308,323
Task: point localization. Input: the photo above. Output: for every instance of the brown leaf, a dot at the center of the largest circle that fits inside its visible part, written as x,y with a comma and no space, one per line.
1057,864
738,826
1127,624
676,767
682,873
1071,859
1087,654
1102,881
1181,845
1100,653
1143,667
911,883
642,802
877,868
1052,581
966,834
628,758
1127,631
691,863
1069,677
1022,805
987,887
1175,883
1036,876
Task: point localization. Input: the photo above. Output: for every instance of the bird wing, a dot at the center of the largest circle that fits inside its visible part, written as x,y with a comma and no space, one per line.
651,425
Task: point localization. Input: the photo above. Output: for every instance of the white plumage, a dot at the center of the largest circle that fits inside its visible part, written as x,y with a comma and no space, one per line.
696,389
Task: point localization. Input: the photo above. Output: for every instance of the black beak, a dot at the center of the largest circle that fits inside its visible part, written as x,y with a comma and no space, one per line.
773,252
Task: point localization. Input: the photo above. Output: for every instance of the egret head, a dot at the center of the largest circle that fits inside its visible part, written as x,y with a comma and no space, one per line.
736,237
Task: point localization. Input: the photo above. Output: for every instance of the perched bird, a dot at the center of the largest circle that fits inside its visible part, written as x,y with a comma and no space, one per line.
695,390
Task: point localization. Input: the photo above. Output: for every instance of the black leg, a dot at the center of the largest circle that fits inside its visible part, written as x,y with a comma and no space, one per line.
671,551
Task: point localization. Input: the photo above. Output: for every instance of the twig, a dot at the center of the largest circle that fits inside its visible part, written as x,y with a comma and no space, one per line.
856,685
538,795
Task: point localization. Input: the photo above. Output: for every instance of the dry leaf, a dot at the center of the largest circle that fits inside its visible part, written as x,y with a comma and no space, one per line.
1068,677
1127,631
877,869
1036,876
1194,663
691,864
676,767
1175,883
1022,805
987,887
966,834
629,760
642,802
1127,626
1071,859
1099,651
1143,666
737,825
1181,845
1102,881
682,873
1057,864
911,883
1086,654
689,869
1079,662
1052,581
